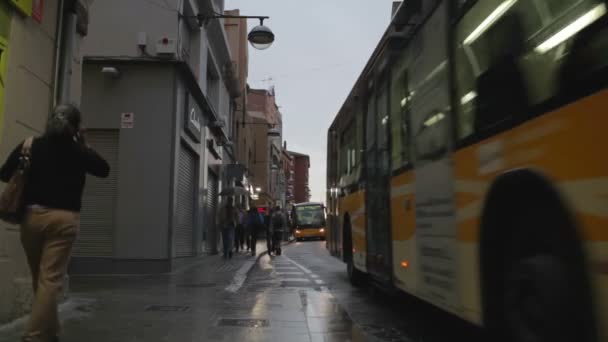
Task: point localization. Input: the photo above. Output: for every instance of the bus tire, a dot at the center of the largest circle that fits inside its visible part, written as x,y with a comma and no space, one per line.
535,286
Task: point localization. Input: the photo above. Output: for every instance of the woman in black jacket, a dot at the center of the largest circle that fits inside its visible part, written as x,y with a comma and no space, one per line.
60,160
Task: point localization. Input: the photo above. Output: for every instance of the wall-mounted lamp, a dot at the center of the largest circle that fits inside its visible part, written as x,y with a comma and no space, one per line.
260,37
111,71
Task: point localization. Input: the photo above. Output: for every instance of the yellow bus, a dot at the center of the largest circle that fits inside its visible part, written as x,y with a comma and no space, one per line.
467,165
308,219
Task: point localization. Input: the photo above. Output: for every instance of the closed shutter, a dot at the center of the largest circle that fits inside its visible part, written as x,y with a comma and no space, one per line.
184,232
98,215
212,192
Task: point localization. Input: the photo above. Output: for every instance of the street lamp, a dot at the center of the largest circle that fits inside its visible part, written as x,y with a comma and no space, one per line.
260,37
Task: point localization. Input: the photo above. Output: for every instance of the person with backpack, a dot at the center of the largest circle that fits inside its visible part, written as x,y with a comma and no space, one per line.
278,224
226,220
59,162
255,224
239,234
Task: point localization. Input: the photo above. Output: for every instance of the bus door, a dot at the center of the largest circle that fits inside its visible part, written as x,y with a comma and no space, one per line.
435,214
377,180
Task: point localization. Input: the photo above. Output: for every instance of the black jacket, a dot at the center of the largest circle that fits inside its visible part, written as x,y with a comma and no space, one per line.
57,173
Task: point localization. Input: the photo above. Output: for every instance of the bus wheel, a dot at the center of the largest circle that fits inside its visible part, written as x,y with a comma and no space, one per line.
355,276
535,284
537,301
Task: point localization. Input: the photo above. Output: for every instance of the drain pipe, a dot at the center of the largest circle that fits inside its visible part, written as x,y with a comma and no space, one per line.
57,57
67,56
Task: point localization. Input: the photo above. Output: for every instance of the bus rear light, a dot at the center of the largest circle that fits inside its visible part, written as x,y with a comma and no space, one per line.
322,230
405,264
354,250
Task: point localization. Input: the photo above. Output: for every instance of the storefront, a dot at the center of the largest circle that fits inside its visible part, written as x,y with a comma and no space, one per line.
159,203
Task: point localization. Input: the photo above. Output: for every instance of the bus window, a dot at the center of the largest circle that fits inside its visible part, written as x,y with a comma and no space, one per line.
399,107
536,36
347,149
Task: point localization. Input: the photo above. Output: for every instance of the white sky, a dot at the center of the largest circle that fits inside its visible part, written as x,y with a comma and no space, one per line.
320,49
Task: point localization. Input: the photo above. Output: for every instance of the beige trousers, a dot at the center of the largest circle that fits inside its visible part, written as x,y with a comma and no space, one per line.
47,236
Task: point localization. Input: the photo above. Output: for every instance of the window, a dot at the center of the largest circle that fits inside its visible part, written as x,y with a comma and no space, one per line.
348,159
510,57
399,108
382,117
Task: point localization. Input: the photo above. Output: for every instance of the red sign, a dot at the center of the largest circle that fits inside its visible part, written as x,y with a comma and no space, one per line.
37,10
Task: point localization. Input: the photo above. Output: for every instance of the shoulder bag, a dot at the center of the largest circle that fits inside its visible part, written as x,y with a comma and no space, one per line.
12,199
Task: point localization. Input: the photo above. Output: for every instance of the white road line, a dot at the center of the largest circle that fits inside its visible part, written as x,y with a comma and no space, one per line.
314,276
319,281
290,273
299,280
240,277
300,266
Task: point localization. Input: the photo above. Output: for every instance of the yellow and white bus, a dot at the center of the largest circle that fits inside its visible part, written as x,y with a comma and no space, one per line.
308,219
469,165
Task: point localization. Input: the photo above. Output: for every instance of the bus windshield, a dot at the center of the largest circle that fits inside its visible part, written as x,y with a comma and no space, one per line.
309,216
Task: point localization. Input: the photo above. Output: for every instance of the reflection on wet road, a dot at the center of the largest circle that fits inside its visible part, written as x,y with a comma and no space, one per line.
371,314
303,295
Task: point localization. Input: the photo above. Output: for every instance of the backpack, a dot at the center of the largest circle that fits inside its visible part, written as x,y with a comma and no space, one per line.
253,220
277,221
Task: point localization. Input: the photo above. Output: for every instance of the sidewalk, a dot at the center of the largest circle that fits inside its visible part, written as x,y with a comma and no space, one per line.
166,306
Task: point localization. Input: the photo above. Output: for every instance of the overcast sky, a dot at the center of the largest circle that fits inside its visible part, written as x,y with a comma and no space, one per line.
320,49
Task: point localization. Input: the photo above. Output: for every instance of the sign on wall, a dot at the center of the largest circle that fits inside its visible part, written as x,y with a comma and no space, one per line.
193,120
37,10
127,120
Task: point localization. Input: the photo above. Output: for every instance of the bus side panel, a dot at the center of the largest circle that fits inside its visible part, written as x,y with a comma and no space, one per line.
354,205
403,232
568,146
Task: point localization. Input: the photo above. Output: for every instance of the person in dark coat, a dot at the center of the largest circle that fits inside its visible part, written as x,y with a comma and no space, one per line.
60,160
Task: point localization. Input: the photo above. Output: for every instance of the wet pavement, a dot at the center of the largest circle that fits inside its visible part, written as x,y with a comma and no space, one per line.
302,295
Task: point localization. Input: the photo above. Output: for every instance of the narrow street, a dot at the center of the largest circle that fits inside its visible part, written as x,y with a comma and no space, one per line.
302,295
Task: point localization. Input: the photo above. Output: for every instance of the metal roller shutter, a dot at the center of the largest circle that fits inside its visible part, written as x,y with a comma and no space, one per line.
184,232
212,193
97,218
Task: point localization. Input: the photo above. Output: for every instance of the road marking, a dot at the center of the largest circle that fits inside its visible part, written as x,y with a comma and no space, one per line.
240,277
314,276
300,266
300,280
290,273
319,281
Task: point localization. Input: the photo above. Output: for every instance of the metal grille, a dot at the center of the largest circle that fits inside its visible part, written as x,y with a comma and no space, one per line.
97,220
184,232
212,193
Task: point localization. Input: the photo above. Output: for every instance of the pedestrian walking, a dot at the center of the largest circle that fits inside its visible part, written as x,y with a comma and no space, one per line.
59,162
255,224
239,233
278,224
267,230
246,228
227,219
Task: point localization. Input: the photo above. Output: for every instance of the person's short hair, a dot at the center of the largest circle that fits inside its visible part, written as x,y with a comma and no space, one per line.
64,122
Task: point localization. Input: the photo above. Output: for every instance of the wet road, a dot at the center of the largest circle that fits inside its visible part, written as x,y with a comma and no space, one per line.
303,295
365,313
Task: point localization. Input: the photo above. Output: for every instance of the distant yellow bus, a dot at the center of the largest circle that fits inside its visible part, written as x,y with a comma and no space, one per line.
308,220
469,166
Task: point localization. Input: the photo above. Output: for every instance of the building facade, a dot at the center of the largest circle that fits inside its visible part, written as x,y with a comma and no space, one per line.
39,67
301,185
158,98
266,122
289,174
236,31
